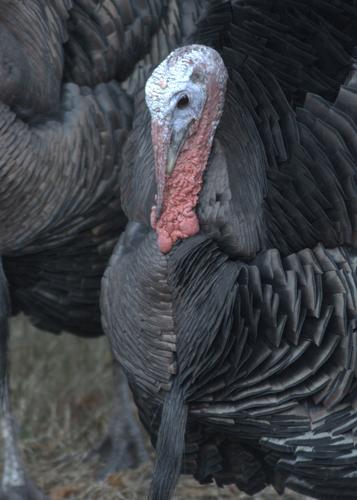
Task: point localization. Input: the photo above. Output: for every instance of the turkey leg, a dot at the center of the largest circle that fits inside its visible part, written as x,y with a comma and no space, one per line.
124,445
14,484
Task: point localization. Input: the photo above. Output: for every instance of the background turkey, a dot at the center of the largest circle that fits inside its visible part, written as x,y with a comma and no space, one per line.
64,120
237,330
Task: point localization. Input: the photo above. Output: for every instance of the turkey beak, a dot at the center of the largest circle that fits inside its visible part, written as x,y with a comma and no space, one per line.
177,140
167,143
161,133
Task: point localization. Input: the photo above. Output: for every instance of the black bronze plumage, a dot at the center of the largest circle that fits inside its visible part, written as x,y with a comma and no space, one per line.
88,133
65,112
238,337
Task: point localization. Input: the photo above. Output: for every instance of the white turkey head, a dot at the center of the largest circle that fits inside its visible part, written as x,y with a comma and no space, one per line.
185,95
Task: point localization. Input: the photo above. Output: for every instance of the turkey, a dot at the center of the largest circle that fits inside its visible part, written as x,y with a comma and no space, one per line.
68,71
231,298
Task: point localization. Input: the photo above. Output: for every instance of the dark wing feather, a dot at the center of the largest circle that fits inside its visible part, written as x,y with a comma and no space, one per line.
58,288
307,45
54,265
266,356
315,189
107,38
277,54
110,38
31,55
72,163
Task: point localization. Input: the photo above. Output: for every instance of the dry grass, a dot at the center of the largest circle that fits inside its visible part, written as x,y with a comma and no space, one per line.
61,395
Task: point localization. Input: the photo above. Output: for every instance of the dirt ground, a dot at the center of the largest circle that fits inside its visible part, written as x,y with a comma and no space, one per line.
61,396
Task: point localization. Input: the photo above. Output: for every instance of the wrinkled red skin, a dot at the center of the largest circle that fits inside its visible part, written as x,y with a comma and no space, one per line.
178,218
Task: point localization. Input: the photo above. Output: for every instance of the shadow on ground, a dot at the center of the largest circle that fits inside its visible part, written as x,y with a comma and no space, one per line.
61,396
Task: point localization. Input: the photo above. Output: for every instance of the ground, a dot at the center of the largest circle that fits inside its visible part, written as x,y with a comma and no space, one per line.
61,395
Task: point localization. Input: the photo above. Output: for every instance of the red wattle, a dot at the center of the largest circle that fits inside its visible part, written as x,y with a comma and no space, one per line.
164,241
180,190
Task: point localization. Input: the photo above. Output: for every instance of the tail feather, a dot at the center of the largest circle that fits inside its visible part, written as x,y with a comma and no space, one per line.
170,446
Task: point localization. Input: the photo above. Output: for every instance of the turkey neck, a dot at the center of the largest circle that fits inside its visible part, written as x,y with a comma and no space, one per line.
182,188
231,204
178,219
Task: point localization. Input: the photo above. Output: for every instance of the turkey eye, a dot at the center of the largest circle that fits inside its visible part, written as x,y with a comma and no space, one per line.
183,102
